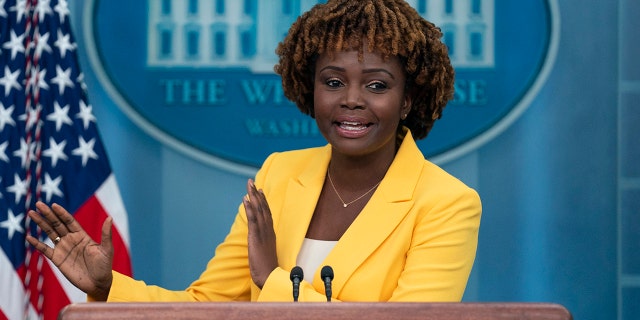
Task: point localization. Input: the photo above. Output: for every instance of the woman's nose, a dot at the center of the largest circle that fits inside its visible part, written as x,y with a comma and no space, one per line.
353,98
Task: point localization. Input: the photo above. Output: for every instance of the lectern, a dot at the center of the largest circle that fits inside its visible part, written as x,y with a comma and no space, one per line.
315,311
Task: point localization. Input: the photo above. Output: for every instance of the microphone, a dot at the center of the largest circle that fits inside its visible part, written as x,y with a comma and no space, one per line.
327,275
296,276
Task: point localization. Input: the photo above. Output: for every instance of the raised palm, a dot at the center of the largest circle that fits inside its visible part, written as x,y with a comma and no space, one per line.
84,262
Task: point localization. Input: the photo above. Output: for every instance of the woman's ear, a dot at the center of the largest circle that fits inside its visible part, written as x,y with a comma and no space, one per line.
406,107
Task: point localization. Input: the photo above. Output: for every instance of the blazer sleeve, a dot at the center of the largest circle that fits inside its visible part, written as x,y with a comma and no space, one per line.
226,278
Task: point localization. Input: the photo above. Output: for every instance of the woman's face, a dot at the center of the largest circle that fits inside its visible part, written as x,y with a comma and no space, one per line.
358,104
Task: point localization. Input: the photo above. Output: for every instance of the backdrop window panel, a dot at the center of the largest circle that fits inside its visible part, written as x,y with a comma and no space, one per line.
630,305
220,7
630,204
629,44
630,135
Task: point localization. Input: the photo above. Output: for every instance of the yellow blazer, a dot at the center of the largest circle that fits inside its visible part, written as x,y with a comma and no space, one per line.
415,240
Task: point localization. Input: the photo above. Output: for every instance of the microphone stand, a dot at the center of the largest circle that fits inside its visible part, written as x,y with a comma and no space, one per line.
296,276
327,275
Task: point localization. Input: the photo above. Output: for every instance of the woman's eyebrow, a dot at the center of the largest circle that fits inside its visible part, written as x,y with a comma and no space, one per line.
371,70
375,70
333,68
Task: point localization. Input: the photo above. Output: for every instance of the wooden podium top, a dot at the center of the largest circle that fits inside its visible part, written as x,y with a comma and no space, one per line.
315,310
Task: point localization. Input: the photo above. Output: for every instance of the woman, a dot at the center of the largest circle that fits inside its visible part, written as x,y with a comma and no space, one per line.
393,226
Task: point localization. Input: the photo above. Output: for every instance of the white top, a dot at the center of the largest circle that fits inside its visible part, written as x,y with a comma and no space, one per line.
311,255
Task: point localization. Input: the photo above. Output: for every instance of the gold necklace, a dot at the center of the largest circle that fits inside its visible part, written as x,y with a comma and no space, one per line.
346,204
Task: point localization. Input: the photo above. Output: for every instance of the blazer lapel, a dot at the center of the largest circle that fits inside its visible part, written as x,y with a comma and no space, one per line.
386,209
301,197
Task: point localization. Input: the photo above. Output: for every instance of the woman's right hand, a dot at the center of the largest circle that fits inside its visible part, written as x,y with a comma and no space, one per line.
85,263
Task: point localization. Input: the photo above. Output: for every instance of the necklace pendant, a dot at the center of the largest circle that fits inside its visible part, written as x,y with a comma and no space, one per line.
344,205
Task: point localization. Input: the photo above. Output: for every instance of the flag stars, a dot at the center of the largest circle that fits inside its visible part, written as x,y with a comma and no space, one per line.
86,114
3,151
42,45
5,116
42,84
10,80
16,44
85,150
64,43
20,8
3,13
25,152
43,7
60,115
55,151
62,79
19,187
13,223
51,186
37,79
31,117
62,8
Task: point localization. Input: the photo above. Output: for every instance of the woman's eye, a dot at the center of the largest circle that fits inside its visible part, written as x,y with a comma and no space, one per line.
334,83
377,86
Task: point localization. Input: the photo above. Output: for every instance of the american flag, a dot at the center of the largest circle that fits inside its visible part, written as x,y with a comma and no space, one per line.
50,150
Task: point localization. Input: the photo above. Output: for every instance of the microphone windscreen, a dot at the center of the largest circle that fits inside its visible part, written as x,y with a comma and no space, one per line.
326,272
296,272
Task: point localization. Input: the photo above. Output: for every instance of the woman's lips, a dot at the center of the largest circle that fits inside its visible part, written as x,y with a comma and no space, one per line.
352,129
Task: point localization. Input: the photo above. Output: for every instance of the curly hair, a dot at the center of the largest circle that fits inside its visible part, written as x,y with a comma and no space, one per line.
389,27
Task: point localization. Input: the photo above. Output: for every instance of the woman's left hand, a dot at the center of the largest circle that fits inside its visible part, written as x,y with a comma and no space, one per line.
262,239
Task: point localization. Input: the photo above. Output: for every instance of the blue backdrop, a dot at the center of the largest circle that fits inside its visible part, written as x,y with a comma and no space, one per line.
560,186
